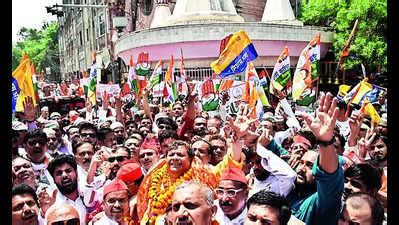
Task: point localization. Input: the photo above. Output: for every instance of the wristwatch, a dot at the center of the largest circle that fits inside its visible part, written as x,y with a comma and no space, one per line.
326,143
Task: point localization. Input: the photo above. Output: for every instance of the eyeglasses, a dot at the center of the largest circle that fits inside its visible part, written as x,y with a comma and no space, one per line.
74,221
231,193
34,142
92,135
117,158
164,127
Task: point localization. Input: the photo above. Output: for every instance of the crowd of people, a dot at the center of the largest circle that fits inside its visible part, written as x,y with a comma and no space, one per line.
177,164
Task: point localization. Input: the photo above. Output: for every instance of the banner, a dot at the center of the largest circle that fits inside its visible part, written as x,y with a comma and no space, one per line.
306,73
281,72
156,75
111,89
234,58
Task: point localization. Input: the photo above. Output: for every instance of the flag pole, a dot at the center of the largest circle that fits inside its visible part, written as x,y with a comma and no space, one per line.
345,51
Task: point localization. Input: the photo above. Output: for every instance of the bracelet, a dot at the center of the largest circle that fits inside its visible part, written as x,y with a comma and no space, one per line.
326,143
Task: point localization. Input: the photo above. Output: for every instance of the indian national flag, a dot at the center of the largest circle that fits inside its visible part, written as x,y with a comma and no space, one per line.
94,72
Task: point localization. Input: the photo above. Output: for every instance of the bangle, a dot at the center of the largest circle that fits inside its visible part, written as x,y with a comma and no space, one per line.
326,143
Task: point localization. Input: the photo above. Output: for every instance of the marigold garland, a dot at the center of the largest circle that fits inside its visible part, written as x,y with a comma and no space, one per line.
161,190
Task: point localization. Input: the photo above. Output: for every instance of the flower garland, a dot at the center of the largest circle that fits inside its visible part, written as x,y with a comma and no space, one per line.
161,190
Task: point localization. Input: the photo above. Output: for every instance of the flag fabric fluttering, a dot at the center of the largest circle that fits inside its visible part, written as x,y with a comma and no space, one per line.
281,72
363,95
34,81
94,72
307,71
252,76
170,81
23,77
235,56
156,75
131,78
15,90
142,71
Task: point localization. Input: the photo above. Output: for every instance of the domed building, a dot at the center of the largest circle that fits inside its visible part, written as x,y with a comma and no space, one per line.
196,27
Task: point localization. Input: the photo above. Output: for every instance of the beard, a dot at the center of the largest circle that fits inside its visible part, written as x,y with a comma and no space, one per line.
261,175
68,189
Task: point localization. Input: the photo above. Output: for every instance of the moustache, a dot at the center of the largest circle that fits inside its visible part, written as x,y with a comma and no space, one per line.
226,203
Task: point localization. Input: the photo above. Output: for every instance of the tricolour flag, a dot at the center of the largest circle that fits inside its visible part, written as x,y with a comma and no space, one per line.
306,70
131,78
156,75
22,75
281,72
170,78
235,56
252,76
94,72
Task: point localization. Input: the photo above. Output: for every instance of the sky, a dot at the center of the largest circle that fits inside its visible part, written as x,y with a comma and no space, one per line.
30,14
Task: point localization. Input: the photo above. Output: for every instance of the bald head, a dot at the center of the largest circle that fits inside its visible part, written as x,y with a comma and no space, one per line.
61,212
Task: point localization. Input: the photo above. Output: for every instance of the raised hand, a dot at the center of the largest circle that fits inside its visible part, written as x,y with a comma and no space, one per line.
29,109
242,124
323,125
265,138
355,122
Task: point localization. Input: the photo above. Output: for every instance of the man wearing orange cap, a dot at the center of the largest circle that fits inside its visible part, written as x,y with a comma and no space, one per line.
116,204
232,194
132,175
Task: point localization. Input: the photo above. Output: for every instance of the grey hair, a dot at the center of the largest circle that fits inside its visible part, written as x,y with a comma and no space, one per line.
206,192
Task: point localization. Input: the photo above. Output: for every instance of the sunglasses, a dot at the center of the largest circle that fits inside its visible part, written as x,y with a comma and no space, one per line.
75,221
117,158
214,148
34,142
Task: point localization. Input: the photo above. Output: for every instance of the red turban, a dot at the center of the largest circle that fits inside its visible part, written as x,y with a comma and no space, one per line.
234,174
151,143
115,185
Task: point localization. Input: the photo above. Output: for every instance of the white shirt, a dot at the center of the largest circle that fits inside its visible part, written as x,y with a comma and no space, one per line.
281,179
224,220
344,128
105,220
78,204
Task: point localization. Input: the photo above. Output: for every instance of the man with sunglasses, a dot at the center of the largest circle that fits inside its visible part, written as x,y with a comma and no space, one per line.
35,144
88,133
232,194
63,214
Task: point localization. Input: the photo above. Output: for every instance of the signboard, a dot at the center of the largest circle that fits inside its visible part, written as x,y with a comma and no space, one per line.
111,89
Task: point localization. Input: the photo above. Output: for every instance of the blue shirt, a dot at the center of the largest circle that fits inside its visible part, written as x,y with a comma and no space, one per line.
322,207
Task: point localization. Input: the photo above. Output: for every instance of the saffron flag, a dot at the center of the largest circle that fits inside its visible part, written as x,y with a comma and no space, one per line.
368,109
281,72
235,56
306,70
22,75
362,91
156,75
91,92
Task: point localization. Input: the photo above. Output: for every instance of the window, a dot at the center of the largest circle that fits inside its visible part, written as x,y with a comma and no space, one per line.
146,7
80,38
101,24
87,34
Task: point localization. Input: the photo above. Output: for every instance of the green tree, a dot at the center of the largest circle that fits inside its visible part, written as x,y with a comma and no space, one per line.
369,46
41,47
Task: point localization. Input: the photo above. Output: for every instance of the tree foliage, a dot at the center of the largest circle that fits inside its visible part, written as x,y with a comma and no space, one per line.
40,45
370,45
